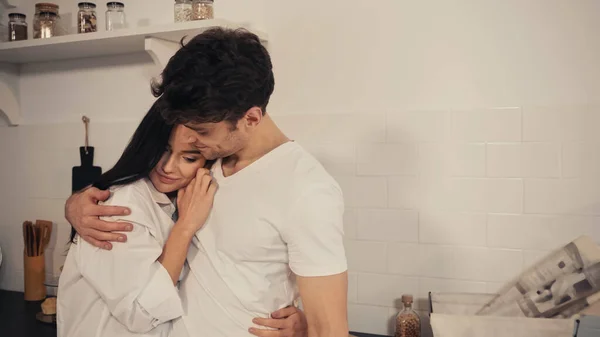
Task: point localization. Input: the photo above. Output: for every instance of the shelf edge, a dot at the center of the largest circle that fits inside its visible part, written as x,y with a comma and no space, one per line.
160,50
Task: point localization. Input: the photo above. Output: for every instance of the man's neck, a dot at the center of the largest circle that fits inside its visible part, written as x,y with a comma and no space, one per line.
266,138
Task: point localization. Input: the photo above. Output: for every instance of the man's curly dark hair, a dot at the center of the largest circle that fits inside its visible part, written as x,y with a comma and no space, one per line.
217,76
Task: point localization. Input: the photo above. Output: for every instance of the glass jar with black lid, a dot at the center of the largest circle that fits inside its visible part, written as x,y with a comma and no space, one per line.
115,15
17,27
86,18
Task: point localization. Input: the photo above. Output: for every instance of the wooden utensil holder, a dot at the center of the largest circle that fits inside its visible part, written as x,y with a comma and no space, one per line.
35,274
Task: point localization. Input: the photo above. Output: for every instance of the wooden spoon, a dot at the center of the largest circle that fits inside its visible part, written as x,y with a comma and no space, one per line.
25,239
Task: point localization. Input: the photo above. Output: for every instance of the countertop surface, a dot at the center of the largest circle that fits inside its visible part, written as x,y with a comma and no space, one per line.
17,318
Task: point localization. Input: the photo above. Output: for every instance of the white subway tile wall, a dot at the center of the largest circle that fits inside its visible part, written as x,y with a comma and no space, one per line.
384,290
427,285
367,256
388,225
440,215
481,206
385,159
401,259
461,162
453,228
371,318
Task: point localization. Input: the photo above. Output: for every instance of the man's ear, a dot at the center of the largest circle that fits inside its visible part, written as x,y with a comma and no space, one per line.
253,117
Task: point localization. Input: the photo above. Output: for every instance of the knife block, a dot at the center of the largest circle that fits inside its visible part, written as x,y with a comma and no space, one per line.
35,274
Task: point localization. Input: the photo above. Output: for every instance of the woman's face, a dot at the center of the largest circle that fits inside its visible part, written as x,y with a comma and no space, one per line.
179,163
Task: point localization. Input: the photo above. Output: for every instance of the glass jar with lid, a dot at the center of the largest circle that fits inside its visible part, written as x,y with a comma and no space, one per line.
46,7
86,18
183,10
17,27
47,25
203,10
115,15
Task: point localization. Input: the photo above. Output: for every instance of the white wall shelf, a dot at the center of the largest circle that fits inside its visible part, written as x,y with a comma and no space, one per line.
116,42
6,4
160,42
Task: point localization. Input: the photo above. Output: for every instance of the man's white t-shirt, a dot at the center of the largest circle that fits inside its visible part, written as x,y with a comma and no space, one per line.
279,217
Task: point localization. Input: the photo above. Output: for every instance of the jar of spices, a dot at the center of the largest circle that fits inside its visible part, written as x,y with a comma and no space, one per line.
115,15
46,7
203,10
17,27
86,18
408,322
47,24
183,10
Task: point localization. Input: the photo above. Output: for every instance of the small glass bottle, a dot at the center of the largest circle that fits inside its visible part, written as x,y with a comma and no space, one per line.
183,10
47,22
203,10
86,18
408,322
17,27
115,15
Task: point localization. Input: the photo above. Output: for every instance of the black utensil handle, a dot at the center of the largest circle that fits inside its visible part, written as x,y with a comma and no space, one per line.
87,159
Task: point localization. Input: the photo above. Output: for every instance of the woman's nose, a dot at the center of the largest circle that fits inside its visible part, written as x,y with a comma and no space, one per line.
169,165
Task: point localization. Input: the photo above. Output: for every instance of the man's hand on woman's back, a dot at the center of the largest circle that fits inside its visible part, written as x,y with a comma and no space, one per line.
286,322
82,212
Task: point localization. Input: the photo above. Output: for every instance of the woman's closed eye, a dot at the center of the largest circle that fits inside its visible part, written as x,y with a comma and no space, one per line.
190,159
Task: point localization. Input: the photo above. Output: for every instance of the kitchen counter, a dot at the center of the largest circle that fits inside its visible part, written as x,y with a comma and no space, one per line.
17,317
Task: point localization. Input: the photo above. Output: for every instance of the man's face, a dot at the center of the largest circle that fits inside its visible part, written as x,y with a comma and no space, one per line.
217,140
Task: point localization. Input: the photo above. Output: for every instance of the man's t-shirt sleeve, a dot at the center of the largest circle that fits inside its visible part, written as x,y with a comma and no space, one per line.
314,232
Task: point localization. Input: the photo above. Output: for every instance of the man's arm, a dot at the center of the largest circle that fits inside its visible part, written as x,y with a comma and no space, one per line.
314,236
82,212
324,299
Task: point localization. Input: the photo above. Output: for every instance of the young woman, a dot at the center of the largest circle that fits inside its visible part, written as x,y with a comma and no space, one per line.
131,290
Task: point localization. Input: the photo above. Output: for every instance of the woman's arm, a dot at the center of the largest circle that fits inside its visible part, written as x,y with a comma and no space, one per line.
175,252
136,280
194,204
137,289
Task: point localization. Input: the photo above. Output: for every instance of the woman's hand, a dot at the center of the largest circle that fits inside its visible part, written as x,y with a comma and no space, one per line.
195,201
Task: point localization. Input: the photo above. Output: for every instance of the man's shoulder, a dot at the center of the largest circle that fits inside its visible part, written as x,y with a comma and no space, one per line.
303,164
307,173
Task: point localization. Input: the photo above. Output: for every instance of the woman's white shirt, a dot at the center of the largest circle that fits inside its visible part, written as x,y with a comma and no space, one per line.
124,291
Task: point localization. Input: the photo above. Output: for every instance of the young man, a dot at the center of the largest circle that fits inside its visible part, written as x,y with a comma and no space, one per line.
276,224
